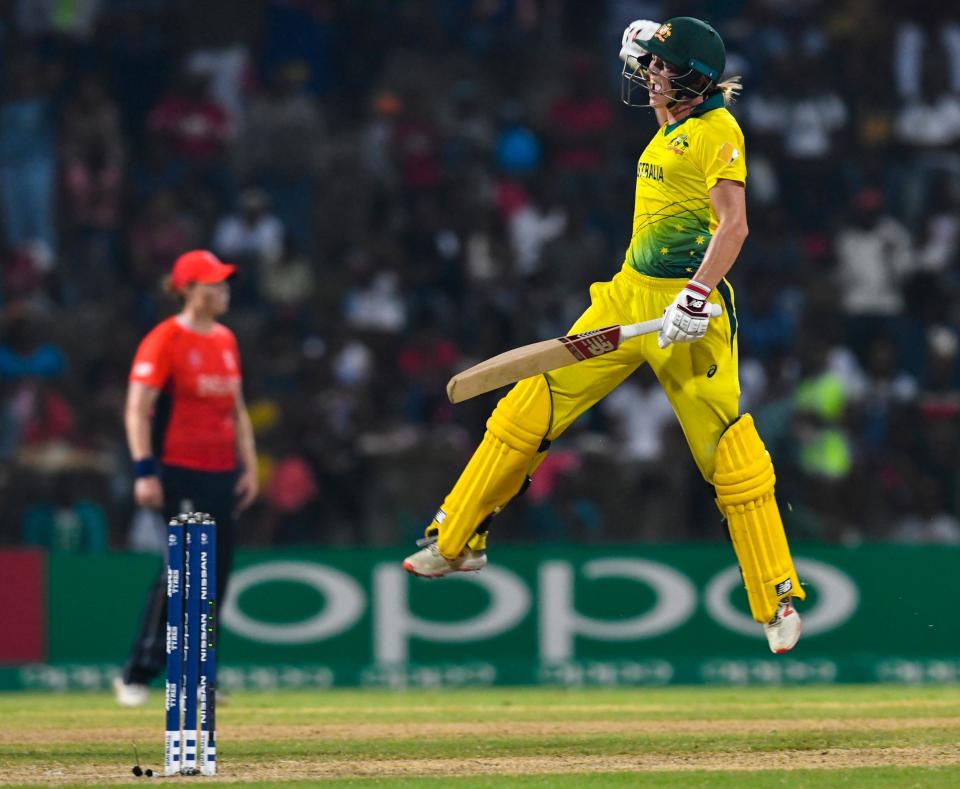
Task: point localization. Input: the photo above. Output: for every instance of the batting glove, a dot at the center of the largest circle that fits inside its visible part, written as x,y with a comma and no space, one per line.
631,53
639,29
687,318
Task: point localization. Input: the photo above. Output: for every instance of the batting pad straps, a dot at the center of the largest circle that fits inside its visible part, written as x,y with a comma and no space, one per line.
744,486
499,467
744,481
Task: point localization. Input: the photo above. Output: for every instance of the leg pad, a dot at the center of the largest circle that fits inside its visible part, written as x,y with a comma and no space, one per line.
744,480
498,469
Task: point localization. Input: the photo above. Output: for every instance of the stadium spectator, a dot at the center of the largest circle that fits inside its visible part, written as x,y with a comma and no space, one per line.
196,126
289,494
290,283
93,168
579,122
28,154
874,257
283,147
197,129
252,237
66,519
164,229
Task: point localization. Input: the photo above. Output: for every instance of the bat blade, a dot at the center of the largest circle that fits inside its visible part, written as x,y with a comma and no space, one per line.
529,360
546,355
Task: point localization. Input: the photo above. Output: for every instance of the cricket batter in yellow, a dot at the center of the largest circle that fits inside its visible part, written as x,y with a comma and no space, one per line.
689,224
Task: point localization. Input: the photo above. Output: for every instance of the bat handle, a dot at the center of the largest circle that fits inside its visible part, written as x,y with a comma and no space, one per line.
649,327
636,329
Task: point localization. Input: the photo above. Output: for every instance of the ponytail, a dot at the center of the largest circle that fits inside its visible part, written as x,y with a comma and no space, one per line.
730,89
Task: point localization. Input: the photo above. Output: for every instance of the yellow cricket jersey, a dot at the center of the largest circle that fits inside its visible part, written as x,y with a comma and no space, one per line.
673,218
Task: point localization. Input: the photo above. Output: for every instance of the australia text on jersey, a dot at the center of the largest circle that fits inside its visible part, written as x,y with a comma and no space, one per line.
652,171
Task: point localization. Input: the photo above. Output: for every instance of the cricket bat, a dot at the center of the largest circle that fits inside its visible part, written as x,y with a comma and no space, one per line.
546,355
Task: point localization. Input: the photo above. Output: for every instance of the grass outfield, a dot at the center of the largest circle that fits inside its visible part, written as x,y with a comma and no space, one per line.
870,736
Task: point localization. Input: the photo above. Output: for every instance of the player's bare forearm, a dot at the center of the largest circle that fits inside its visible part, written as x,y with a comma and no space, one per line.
246,443
248,447
247,486
137,415
729,203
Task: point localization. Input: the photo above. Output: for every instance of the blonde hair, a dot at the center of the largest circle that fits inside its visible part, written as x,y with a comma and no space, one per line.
730,88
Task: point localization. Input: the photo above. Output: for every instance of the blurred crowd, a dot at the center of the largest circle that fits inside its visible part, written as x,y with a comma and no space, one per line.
410,186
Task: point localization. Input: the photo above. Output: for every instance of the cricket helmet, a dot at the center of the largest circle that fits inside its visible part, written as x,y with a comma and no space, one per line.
691,46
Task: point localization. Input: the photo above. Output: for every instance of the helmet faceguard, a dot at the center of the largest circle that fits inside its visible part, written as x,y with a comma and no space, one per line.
635,78
635,74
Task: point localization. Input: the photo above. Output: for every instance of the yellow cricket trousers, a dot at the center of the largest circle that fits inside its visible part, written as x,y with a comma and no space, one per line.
700,379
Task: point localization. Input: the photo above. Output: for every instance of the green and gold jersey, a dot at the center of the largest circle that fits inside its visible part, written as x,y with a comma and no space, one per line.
673,219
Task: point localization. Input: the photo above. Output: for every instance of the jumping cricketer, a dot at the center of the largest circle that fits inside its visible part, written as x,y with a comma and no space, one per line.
688,228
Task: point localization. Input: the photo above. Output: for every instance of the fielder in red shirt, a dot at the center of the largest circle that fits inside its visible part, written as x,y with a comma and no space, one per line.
185,402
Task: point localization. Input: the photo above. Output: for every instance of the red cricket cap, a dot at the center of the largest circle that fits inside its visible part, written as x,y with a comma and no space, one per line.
201,266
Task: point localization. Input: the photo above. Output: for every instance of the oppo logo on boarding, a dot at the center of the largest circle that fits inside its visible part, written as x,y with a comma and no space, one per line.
510,600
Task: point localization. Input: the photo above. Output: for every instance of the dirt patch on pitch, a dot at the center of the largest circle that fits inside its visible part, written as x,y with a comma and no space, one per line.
530,765
566,728
462,729
279,770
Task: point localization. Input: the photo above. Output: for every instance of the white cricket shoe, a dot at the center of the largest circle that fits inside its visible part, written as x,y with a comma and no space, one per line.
428,562
131,695
783,631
